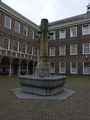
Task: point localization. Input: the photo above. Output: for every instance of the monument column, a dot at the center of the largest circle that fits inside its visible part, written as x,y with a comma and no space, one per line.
27,69
10,69
44,61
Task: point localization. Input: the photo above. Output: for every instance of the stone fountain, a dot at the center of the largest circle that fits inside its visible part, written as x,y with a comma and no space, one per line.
43,83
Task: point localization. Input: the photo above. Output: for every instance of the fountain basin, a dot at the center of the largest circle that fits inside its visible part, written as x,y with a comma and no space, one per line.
42,85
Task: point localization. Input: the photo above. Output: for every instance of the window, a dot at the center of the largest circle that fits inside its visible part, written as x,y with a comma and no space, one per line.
86,29
31,50
25,30
6,43
62,34
16,46
73,32
24,48
73,49
38,52
0,17
31,34
73,67
86,48
86,68
52,68
17,27
52,51
62,50
62,67
7,22
53,37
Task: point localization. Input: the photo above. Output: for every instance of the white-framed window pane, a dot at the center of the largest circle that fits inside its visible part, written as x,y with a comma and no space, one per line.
52,68
31,33
73,49
73,32
17,26
86,68
53,37
6,43
31,50
25,30
23,48
73,67
52,51
62,67
7,22
62,50
16,46
62,33
86,29
86,48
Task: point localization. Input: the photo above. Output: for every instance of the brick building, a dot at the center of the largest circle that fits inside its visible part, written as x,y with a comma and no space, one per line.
17,42
69,47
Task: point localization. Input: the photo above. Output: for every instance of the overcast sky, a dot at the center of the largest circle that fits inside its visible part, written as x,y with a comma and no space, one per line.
53,10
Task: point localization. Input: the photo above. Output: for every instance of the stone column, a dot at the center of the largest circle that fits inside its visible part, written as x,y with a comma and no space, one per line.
33,69
19,69
44,69
27,70
10,69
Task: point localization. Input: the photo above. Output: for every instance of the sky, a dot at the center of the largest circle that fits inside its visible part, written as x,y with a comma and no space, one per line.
53,10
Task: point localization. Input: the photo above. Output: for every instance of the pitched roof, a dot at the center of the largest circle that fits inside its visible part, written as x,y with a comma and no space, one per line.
77,18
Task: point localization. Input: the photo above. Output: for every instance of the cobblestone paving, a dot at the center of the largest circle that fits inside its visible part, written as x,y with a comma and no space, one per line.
76,107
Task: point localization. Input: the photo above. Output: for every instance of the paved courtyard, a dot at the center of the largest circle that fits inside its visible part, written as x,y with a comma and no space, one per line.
76,107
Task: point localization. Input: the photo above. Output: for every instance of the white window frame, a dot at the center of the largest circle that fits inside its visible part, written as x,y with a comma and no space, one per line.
53,36
83,48
22,48
52,51
5,24
8,43
31,32
17,27
52,69
62,69
73,49
62,35
71,32
17,46
62,50
86,31
73,70
25,30
26,49
86,70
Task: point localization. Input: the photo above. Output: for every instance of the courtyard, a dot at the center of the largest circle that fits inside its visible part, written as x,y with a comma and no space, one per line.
75,107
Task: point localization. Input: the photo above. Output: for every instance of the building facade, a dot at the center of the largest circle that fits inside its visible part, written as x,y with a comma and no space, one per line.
69,47
17,42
